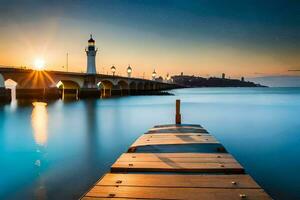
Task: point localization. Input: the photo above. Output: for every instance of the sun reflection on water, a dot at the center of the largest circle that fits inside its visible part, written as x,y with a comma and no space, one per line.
39,120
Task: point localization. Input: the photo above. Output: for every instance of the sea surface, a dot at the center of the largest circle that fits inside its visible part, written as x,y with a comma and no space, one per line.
60,149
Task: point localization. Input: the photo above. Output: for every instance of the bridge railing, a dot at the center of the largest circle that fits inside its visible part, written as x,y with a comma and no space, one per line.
80,73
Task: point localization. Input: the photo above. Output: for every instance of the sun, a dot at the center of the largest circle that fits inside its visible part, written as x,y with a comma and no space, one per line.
39,64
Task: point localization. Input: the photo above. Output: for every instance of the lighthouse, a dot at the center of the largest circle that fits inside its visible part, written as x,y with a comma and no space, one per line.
91,56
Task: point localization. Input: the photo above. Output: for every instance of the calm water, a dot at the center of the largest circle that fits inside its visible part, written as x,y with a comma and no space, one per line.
58,151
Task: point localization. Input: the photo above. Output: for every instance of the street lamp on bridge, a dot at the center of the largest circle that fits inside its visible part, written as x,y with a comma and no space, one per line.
168,77
129,71
153,75
113,70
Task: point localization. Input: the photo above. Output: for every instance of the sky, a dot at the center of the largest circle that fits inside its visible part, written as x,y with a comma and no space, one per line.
197,37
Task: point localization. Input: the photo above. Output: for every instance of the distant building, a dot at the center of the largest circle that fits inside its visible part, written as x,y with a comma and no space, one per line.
242,79
223,75
181,73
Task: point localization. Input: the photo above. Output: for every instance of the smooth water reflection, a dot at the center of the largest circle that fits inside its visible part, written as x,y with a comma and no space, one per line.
39,120
58,150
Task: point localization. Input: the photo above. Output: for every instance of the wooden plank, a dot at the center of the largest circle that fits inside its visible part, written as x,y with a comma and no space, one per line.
182,136
178,130
178,125
174,139
180,148
176,193
177,157
171,134
192,181
176,162
188,137
176,167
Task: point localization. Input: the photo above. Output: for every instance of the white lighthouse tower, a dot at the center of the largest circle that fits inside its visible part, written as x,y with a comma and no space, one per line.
91,56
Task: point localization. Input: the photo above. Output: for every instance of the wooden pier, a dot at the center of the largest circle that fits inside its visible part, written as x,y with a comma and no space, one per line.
176,162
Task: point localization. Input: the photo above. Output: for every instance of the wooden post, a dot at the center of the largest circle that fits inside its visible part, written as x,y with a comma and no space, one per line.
178,115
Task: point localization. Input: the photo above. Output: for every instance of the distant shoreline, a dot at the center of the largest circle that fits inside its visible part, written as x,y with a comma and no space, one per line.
195,81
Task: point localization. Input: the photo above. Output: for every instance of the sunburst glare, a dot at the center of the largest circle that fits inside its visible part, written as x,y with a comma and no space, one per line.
39,64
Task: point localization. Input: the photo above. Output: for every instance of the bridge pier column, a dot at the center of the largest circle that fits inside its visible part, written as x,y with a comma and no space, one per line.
90,88
106,92
90,81
90,92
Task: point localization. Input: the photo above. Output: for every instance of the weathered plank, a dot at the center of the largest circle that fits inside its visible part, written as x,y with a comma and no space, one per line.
178,129
173,139
181,148
177,167
177,157
176,193
171,134
178,125
174,180
177,136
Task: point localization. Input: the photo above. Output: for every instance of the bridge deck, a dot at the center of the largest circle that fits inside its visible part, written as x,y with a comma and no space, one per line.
147,174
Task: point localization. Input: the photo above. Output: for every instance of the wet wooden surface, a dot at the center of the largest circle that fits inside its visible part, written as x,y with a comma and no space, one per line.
177,167
176,175
176,193
173,139
178,126
177,129
176,162
179,180
176,157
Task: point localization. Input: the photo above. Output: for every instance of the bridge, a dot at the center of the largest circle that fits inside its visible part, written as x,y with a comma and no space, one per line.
57,84
28,83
